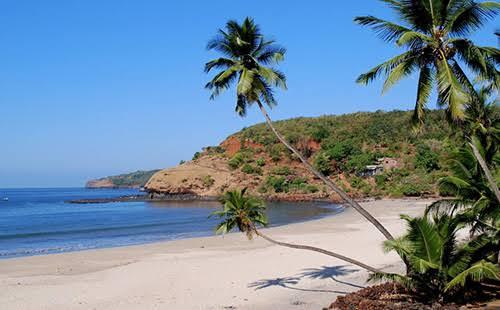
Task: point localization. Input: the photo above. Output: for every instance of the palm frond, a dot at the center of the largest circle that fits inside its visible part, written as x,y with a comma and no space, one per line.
470,17
219,63
399,72
270,54
387,31
273,77
413,39
427,244
451,93
477,272
384,68
424,89
393,277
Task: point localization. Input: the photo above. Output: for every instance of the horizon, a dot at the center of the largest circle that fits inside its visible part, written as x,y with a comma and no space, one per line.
95,89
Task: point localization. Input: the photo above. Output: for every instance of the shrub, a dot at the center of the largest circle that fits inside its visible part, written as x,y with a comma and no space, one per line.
380,180
426,158
249,169
312,188
196,155
260,162
236,161
319,133
208,181
279,184
276,152
282,170
357,163
342,150
322,163
182,162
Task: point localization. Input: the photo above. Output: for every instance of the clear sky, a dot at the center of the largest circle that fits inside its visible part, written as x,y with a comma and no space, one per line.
93,88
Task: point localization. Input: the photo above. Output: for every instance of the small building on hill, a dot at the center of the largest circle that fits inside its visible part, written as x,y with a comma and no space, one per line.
371,170
388,163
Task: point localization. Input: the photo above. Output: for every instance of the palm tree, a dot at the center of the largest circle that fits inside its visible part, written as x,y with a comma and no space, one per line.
441,268
434,36
473,200
246,213
248,59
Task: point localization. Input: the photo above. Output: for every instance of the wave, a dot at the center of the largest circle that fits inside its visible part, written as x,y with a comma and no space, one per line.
87,230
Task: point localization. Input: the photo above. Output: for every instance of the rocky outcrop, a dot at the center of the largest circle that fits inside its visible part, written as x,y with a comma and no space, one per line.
100,183
206,177
209,176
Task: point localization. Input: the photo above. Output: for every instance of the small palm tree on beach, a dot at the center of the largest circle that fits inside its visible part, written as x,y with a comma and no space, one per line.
248,60
434,34
246,213
442,268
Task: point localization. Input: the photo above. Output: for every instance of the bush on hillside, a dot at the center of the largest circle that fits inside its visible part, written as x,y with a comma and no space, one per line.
426,158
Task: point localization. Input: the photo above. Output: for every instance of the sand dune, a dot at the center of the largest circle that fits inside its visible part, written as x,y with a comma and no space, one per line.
218,272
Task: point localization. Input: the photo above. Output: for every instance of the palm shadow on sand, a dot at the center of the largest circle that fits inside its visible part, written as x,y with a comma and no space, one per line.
326,272
314,273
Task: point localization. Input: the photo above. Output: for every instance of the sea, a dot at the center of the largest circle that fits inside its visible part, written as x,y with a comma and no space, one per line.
41,221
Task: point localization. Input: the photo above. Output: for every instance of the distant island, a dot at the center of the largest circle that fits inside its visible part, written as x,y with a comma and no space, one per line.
135,179
369,154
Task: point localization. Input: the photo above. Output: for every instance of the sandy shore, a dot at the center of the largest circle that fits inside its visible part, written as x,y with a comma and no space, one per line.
227,272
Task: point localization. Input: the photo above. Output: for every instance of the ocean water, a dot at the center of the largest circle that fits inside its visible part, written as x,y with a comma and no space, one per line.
38,221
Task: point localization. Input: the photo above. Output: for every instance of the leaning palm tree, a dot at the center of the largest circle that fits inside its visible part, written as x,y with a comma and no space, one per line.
433,34
245,213
248,59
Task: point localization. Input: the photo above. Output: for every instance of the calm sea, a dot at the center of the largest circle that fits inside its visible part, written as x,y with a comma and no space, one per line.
38,221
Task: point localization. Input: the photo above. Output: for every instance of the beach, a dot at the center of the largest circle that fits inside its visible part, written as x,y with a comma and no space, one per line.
219,272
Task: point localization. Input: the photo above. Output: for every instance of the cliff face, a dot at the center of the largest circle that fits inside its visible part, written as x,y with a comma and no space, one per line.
206,176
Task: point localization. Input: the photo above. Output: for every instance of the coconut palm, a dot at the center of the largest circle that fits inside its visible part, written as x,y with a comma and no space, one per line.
248,61
441,268
473,200
433,34
246,213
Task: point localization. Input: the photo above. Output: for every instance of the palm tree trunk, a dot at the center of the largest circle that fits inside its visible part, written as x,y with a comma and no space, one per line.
486,170
322,251
327,181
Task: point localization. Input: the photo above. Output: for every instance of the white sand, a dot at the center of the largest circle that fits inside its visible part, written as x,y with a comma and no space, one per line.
227,272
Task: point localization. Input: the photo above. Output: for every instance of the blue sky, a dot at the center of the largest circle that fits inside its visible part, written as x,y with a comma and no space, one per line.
94,88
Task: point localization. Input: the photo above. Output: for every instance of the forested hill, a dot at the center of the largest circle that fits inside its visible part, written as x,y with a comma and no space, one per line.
129,180
368,154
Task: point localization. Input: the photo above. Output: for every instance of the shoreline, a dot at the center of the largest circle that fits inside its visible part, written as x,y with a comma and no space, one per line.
149,197
180,274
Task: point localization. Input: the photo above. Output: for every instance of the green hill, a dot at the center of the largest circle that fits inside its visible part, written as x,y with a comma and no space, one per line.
367,153
128,180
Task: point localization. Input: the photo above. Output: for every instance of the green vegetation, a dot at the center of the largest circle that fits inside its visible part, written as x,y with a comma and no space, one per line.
135,179
440,265
350,142
197,155
207,181
440,268
437,48
261,162
426,158
249,169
